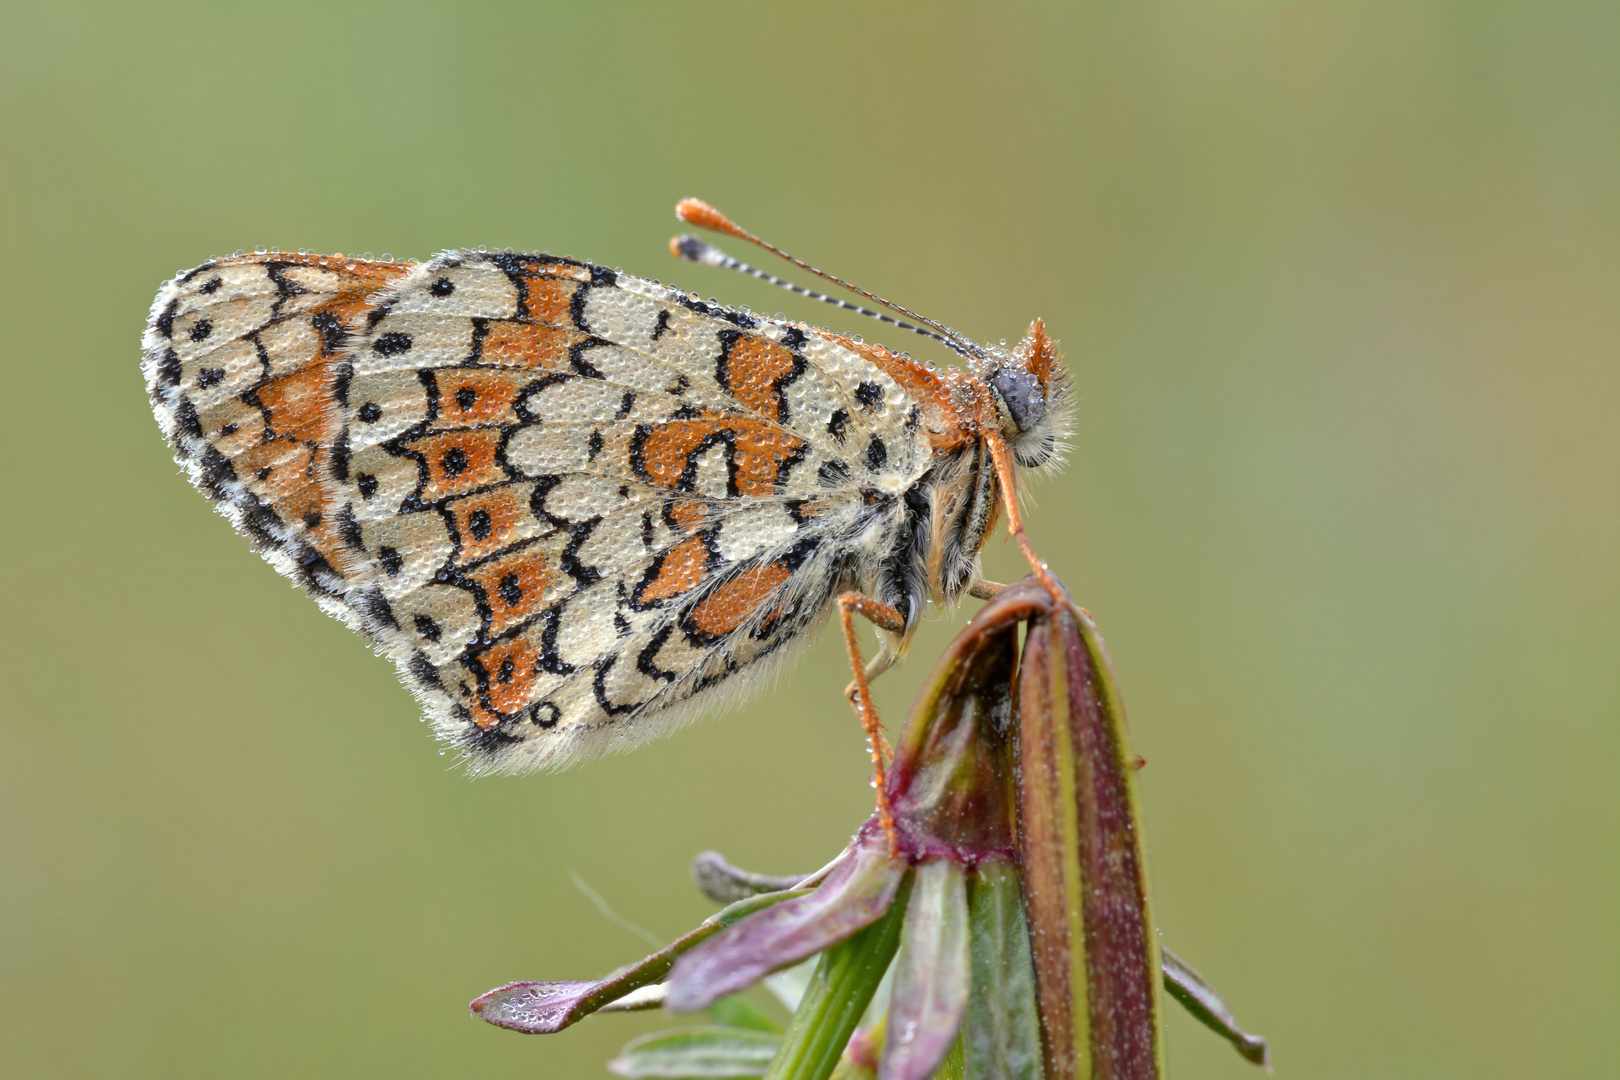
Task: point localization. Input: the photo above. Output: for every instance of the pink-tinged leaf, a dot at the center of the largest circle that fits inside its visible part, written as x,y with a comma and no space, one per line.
540,1008
950,784
847,977
930,990
1096,956
857,892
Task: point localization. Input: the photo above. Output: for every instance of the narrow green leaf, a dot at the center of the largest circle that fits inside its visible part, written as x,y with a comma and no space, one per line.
1001,1033
844,982
954,1067
737,1011
697,1053
789,984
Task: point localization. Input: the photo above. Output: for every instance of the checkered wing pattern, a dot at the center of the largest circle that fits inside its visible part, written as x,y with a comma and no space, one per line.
573,506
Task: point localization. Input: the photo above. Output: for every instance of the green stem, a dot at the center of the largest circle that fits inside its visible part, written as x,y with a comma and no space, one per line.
842,987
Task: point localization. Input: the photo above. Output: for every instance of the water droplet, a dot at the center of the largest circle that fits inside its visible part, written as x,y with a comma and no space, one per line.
260,250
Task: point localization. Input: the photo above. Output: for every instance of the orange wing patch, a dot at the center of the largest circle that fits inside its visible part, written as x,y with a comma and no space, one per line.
469,397
680,569
282,468
760,451
729,606
299,404
485,523
458,462
513,586
282,473
552,267
550,301
521,344
754,371
686,516
358,283
948,425
510,667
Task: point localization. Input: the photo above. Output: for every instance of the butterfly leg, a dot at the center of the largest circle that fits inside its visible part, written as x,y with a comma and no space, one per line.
887,618
983,589
1007,478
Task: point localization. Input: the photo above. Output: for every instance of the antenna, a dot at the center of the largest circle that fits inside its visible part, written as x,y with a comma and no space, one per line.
694,250
699,213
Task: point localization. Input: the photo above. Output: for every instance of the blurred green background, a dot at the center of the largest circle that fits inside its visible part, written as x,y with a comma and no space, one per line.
1340,289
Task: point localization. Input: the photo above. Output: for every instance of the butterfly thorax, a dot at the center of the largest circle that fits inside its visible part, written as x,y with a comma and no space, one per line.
1021,395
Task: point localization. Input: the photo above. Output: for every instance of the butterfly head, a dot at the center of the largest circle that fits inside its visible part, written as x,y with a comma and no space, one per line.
1033,398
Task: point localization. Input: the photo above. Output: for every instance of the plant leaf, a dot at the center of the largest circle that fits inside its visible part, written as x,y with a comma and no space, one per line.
1001,1033
931,977
1096,956
950,783
954,1067
845,980
736,1011
789,984
637,1000
697,1053
726,884
854,895
1200,999
540,1008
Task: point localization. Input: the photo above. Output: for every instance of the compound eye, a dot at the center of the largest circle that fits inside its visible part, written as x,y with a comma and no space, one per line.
1021,394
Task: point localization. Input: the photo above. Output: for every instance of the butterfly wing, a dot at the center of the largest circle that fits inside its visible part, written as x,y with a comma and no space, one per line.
574,507
240,355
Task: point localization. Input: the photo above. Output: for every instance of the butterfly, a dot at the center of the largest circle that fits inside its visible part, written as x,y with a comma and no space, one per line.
579,508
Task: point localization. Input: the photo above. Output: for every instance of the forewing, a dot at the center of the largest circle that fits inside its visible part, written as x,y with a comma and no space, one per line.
240,359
